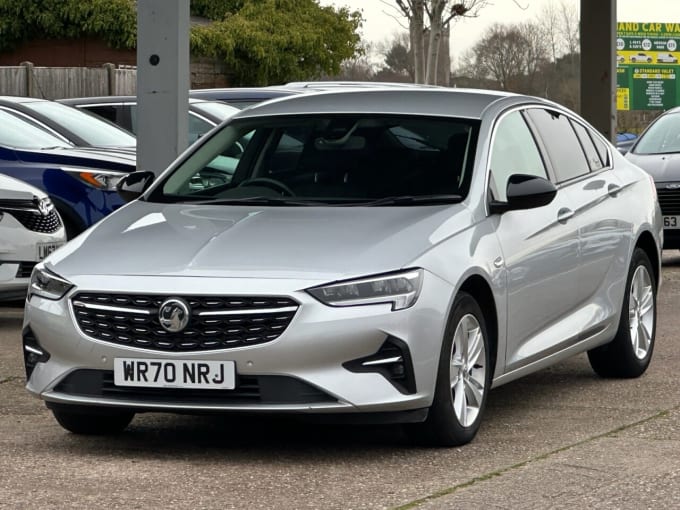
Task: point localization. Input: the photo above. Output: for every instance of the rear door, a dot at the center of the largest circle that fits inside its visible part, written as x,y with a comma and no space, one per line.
582,166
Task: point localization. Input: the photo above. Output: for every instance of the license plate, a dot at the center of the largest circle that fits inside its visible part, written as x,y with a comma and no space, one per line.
44,249
671,222
163,373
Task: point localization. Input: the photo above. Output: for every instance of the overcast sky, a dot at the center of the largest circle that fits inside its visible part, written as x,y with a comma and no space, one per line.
382,20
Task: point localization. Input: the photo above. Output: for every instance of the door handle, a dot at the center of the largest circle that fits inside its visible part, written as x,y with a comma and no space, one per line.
613,190
564,214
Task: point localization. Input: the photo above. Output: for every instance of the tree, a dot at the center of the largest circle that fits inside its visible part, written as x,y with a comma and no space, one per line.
273,41
510,55
440,14
261,41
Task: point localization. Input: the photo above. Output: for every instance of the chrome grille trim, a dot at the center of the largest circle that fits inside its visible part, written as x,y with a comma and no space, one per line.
247,312
108,308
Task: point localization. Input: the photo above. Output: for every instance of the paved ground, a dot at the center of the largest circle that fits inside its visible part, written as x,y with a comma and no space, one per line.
560,438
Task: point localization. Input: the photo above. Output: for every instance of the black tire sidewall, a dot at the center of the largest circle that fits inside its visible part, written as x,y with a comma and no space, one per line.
444,423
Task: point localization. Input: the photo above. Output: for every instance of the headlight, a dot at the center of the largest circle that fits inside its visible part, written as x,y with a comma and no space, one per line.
48,285
100,179
400,289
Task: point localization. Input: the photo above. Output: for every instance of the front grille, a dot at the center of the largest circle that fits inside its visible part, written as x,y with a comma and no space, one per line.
270,389
25,269
37,222
669,200
216,322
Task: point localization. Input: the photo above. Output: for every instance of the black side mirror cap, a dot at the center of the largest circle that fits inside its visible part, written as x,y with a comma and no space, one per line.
525,192
134,184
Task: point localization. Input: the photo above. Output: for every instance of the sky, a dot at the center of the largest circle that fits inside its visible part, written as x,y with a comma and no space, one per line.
381,20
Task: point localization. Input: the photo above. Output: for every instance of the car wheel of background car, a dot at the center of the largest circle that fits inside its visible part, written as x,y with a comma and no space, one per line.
463,379
268,183
629,354
91,423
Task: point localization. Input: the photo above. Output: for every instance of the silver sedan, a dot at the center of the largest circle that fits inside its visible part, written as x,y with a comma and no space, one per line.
385,254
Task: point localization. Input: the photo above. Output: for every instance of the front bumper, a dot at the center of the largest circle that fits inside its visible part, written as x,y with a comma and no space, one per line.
308,368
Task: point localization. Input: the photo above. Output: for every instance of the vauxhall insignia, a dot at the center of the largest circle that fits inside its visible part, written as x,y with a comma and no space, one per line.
174,315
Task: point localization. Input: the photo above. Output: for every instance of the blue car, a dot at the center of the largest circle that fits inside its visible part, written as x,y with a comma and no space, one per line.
80,181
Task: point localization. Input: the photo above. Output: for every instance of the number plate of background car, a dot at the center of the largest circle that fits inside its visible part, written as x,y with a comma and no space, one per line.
44,249
671,222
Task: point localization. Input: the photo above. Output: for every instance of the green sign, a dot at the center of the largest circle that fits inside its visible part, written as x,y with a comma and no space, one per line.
647,66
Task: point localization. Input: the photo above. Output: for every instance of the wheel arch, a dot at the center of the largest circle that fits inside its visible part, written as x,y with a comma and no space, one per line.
647,244
480,290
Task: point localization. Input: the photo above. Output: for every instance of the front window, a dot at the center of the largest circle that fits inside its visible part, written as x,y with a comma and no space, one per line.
329,159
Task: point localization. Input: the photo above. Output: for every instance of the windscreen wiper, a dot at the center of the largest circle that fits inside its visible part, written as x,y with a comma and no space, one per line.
405,200
277,201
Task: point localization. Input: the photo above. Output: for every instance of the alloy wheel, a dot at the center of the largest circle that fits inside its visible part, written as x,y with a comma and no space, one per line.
468,370
641,312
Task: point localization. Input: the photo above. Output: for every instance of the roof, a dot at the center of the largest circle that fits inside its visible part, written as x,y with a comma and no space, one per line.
467,103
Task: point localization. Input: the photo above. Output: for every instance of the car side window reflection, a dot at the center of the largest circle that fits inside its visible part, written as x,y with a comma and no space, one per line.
563,147
514,151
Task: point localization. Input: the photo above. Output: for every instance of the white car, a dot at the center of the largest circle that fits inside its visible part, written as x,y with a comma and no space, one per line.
666,58
30,229
641,57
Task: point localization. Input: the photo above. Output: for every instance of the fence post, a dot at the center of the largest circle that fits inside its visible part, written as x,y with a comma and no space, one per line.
30,85
111,78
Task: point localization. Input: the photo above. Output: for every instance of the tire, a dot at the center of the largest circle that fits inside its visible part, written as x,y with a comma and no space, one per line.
459,398
92,423
629,353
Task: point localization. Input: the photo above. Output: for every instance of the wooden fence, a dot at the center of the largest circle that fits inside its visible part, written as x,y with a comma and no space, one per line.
63,82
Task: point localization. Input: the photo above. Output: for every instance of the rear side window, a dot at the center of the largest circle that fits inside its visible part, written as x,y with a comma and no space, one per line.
589,148
564,149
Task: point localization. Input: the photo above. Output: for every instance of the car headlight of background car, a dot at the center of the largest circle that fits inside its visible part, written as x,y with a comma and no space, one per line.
400,289
100,179
48,285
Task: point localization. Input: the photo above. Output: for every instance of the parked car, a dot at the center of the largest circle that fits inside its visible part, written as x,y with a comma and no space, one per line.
641,57
122,111
376,254
657,151
30,229
624,141
76,127
242,97
80,182
666,58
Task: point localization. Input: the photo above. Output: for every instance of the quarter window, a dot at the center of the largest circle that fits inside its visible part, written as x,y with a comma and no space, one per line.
514,151
589,148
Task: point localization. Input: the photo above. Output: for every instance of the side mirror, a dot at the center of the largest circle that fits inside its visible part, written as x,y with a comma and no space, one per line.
525,192
134,184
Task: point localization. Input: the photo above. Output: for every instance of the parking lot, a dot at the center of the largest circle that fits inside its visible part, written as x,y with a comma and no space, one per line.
559,438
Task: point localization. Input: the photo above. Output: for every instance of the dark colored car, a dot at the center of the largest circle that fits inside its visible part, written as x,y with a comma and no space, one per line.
71,125
624,141
657,151
80,181
122,111
242,97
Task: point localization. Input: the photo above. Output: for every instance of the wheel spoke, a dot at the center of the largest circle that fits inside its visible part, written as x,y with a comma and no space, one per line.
475,393
459,402
476,346
647,301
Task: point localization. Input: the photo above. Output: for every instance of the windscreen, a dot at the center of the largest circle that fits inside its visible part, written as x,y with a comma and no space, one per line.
329,159
662,137
93,130
21,133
